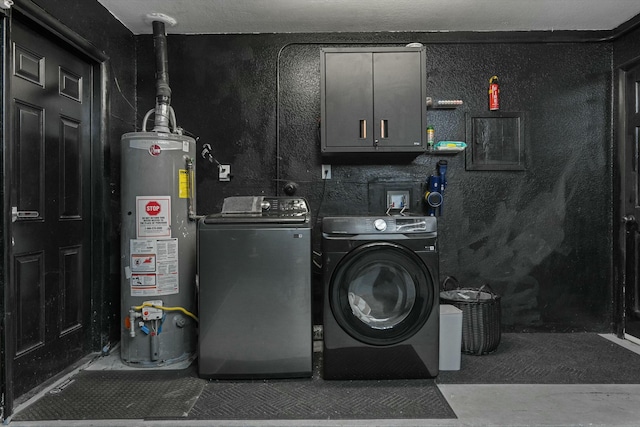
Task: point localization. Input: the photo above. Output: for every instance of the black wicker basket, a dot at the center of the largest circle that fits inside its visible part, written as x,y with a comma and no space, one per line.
481,316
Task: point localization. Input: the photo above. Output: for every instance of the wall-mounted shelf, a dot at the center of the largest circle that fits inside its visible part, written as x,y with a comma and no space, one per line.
444,152
443,104
448,147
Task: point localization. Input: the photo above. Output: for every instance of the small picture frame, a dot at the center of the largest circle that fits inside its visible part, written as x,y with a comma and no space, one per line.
496,141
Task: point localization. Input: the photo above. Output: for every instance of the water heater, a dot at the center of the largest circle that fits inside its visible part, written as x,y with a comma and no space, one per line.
158,235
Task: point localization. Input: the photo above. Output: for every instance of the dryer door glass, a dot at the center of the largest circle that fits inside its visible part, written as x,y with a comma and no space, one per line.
381,293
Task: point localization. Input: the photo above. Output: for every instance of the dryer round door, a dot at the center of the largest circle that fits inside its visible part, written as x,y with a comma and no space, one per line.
381,293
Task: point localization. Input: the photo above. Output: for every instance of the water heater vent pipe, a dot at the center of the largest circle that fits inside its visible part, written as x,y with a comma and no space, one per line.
163,91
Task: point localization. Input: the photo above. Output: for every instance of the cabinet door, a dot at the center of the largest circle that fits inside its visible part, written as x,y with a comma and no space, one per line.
348,101
398,99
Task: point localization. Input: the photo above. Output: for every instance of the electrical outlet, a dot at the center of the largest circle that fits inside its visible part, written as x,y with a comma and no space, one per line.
326,171
224,173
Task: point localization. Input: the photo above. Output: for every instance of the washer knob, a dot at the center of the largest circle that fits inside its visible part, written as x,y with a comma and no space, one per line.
380,224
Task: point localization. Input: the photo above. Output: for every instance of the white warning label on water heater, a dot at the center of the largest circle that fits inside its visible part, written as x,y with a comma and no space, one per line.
154,267
153,216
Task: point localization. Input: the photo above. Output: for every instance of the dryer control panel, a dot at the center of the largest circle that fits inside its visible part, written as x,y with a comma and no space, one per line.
377,225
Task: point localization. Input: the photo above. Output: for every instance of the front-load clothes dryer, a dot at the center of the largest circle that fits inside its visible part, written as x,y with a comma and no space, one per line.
254,269
381,286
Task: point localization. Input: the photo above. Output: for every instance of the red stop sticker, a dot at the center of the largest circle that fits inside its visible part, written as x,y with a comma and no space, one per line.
152,208
155,150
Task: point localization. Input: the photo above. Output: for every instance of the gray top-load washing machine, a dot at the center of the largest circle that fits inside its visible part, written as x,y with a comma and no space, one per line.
254,271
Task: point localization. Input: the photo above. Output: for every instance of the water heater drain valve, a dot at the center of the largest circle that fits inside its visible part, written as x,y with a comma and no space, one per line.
133,314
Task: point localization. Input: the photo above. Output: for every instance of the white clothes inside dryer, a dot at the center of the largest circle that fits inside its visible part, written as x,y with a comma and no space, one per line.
382,294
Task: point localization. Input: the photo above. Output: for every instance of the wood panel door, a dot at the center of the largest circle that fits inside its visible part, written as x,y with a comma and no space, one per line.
630,193
47,305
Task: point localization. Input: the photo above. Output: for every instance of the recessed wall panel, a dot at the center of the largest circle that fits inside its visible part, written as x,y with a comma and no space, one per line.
28,65
29,277
70,169
70,85
70,292
29,157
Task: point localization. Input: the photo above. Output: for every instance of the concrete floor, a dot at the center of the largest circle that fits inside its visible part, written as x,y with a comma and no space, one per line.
475,405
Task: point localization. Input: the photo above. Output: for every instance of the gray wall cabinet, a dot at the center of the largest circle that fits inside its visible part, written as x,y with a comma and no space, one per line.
373,100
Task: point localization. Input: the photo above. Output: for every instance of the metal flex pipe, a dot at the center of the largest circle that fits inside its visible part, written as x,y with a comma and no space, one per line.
163,91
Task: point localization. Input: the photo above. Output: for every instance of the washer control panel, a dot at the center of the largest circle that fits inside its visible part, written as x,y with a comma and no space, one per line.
284,206
275,210
378,225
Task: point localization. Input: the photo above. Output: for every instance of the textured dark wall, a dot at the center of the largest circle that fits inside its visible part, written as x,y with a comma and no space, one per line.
90,20
541,238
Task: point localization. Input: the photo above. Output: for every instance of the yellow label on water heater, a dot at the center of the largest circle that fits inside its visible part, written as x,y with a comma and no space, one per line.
183,183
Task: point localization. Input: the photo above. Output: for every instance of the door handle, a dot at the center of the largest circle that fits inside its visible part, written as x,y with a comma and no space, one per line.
363,129
15,214
630,223
384,129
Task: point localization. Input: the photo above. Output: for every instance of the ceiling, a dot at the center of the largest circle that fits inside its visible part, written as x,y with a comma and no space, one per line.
309,16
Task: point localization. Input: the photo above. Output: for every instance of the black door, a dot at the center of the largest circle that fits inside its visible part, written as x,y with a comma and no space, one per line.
381,293
631,202
47,307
